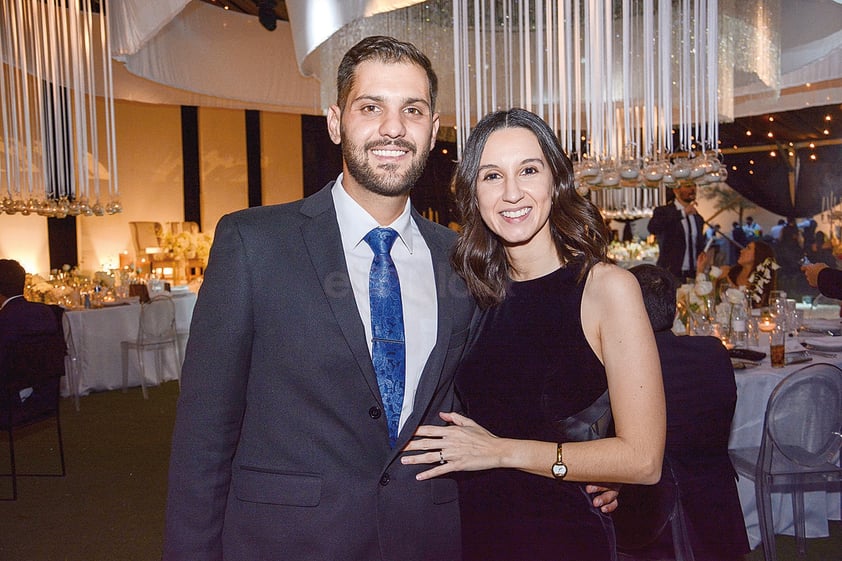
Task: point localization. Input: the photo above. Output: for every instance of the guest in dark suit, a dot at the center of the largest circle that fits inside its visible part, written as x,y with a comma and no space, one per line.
20,318
826,279
701,395
673,224
281,446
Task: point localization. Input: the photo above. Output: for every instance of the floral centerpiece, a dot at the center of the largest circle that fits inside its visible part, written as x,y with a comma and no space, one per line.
633,251
696,302
37,289
63,282
187,245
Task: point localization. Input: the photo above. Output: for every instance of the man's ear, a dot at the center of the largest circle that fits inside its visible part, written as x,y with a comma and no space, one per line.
334,125
436,124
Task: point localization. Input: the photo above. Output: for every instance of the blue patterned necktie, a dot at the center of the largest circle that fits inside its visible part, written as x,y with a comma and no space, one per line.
388,348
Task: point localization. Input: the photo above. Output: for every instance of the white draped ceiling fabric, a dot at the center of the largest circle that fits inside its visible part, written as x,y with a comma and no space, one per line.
193,53
53,161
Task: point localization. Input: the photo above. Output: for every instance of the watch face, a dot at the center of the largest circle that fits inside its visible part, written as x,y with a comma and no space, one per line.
559,470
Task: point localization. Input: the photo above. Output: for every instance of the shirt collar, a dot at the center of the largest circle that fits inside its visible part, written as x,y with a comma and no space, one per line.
355,222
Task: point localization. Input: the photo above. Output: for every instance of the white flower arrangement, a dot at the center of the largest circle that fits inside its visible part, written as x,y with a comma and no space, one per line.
703,285
735,295
188,245
632,251
723,309
36,288
759,278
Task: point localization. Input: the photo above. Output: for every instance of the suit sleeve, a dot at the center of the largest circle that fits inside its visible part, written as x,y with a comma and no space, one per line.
830,283
211,403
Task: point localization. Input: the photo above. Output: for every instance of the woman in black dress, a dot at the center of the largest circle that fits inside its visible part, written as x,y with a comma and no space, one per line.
558,325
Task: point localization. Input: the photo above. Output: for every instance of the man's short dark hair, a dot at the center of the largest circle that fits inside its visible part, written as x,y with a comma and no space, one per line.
12,278
381,48
658,288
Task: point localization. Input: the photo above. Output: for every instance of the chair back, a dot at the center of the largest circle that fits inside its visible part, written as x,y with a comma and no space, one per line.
648,515
157,320
145,234
803,424
32,360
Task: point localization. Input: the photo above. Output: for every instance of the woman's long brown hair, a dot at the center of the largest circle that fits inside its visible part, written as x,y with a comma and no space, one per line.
578,229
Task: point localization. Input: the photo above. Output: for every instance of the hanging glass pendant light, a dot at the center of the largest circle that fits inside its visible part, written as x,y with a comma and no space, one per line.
59,155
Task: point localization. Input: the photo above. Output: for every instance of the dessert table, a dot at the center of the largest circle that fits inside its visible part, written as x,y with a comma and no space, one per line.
754,386
94,337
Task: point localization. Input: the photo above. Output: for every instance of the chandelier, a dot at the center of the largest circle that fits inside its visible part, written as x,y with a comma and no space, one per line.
634,89
630,87
56,135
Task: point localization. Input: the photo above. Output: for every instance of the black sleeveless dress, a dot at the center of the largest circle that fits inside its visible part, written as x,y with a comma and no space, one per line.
530,366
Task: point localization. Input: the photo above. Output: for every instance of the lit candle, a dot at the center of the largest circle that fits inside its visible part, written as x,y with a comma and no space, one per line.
766,324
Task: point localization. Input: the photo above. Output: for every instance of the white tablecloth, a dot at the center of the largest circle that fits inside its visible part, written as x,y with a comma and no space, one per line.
96,335
754,386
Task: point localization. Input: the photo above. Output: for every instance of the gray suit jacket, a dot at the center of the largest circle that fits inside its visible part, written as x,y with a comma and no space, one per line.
280,448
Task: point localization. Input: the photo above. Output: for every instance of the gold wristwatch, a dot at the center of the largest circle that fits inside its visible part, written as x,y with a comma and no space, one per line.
559,468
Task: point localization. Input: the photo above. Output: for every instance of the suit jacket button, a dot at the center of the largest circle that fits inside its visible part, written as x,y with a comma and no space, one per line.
375,412
385,479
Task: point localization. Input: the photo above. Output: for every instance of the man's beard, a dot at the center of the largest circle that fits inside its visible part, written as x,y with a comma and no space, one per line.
384,179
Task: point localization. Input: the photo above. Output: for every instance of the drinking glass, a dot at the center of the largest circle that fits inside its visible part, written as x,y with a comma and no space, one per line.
777,346
752,332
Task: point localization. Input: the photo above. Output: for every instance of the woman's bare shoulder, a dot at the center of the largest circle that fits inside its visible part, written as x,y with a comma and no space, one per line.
607,276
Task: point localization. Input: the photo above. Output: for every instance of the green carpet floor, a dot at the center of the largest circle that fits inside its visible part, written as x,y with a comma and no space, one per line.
110,506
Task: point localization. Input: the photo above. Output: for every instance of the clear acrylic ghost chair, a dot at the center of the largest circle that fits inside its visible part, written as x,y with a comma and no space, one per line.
799,451
156,332
71,362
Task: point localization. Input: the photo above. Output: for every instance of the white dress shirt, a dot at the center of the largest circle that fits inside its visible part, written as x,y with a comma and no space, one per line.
415,272
689,261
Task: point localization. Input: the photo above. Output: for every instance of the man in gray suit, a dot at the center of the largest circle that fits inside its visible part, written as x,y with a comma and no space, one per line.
281,448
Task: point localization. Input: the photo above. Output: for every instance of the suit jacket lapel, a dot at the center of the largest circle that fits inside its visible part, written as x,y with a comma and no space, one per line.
324,245
440,248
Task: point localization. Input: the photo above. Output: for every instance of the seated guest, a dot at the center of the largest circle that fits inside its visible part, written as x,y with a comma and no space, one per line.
19,317
752,255
700,395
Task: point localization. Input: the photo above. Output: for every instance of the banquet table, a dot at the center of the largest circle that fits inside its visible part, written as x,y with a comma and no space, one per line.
754,386
94,341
